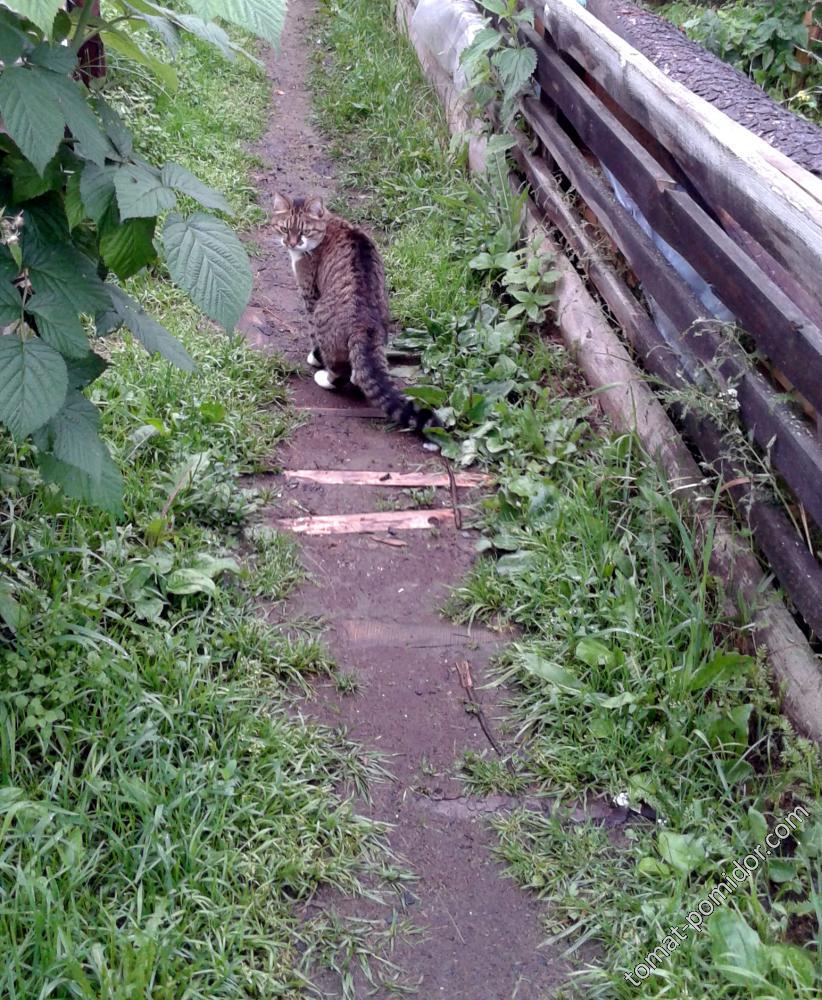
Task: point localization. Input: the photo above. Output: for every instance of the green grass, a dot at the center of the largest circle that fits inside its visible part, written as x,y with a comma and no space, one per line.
163,817
628,678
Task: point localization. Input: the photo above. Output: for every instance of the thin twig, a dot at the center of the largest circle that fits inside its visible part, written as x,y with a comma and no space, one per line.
454,499
464,670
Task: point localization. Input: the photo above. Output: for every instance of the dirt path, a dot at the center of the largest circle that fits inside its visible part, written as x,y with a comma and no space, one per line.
380,595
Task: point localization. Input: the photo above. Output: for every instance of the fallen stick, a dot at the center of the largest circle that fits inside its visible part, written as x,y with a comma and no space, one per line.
453,483
464,671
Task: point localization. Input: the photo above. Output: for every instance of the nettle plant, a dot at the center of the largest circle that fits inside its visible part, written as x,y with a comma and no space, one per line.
496,65
81,209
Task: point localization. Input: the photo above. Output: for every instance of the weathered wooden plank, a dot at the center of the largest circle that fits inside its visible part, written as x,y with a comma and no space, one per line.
403,480
347,524
774,425
775,200
796,569
792,340
360,412
722,85
776,272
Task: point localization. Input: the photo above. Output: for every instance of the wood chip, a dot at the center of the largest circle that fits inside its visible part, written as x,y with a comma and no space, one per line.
346,524
354,477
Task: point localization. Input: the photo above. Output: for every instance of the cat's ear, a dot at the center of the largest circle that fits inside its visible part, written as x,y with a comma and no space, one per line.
280,204
315,208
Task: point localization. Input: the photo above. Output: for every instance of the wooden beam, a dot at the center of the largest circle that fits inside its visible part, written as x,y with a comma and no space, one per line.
607,366
402,480
775,200
776,428
347,524
795,567
361,412
781,331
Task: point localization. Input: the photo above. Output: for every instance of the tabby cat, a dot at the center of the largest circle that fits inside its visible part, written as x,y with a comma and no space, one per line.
341,277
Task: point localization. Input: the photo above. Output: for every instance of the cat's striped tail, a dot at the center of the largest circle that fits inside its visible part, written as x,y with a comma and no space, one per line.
370,373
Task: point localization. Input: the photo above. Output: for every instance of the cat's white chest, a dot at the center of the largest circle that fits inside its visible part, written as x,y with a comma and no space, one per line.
296,256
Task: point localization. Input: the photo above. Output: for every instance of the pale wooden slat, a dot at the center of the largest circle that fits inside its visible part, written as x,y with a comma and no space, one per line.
347,524
354,477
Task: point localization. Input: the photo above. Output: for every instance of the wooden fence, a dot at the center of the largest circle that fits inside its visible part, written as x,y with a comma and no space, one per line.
749,222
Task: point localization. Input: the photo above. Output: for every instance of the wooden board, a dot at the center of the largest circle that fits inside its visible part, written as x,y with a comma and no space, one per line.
793,448
362,412
775,200
781,331
347,524
352,477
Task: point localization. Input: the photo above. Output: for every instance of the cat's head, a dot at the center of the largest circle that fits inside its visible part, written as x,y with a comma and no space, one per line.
299,222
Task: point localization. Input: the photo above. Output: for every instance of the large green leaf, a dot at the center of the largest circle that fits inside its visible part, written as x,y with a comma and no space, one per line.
140,191
27,182
33,384
40,12
70,98
11,305
32,118
83,371
68,275
105,490
44,224
57,58
207,260
97,190
12,39
212,33
58,326
263,18
516,66
128,47
182,180
72,435
114,127
155,338
73,201
128,246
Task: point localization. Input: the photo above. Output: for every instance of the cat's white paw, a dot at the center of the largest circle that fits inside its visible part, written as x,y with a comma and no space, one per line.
323,379
313,360
430,446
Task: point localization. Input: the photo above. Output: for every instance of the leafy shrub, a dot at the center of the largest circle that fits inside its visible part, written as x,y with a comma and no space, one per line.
769,41
81,207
